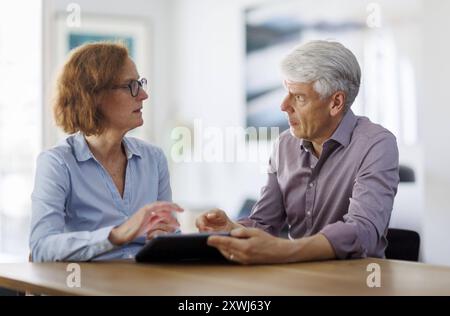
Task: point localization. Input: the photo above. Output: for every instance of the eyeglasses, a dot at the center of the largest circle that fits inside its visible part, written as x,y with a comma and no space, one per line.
134,86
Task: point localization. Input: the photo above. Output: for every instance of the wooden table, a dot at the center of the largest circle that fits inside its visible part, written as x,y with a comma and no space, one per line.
347,277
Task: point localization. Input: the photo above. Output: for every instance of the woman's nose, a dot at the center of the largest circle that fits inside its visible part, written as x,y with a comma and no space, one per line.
143,95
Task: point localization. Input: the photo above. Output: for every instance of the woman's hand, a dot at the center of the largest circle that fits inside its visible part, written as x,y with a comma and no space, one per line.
148,220
162,228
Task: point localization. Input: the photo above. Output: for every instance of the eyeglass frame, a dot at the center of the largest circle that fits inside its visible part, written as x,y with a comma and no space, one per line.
142,84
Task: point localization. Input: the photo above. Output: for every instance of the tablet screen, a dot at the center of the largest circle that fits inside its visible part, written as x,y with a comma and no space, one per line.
180,247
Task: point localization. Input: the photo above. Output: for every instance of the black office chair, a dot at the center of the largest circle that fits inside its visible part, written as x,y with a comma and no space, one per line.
406,174
246,208
402,244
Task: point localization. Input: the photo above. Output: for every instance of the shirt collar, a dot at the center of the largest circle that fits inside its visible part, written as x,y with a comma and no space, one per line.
83,153
80,148
305,145
342,134
131,148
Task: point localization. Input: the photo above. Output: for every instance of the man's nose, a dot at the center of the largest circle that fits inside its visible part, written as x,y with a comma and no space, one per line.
286,105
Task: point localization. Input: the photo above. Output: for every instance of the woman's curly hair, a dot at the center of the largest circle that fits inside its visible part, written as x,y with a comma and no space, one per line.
90,69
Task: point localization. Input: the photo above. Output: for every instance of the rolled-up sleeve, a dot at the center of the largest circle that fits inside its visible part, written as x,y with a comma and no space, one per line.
48,240
269,213
359,234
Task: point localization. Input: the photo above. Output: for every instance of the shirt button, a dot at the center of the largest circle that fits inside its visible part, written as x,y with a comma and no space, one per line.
309,213
311,184
312,166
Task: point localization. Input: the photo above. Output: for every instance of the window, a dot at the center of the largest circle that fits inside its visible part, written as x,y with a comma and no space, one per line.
20,121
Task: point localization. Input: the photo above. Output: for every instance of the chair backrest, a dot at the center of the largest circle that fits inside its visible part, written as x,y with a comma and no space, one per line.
402,244
406,174
246,208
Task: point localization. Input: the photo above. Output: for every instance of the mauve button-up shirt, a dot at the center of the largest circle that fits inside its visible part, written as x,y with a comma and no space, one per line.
346,195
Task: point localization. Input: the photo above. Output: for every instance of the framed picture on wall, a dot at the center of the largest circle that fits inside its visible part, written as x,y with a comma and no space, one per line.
271,31
133,32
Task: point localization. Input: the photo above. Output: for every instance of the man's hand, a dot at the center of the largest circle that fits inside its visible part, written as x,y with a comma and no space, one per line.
149,220
215,220
252,245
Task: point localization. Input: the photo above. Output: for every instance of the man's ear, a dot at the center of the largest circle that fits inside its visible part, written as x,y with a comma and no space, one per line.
337,103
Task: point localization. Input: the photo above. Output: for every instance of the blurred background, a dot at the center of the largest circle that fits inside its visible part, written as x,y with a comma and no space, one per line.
212,67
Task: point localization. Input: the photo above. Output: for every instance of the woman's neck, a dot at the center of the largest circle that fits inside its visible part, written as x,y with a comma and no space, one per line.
107,146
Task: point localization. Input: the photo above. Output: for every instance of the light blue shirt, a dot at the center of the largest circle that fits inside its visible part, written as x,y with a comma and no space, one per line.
75,202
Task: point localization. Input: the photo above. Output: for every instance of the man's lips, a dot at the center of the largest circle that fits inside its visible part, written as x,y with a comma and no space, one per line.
293,122
138,110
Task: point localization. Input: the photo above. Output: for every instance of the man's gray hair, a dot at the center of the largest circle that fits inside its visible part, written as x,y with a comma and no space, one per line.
329,65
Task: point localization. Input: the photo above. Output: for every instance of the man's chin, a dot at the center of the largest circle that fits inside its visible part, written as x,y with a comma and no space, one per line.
294,132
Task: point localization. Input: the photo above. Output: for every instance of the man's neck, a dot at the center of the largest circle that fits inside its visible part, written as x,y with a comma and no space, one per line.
317,149
318,142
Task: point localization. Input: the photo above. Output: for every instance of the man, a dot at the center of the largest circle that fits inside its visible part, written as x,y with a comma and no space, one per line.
332,177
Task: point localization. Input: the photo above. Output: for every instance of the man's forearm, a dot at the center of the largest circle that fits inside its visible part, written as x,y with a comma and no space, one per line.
316,247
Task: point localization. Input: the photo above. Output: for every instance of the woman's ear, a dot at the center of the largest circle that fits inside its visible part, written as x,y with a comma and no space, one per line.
99,99
337,103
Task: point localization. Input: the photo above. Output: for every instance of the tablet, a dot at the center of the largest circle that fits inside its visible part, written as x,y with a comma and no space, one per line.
180,247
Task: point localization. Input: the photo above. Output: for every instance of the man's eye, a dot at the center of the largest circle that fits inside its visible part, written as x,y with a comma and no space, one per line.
299,98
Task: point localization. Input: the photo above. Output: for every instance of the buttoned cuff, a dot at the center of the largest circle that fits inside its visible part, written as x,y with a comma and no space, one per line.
100,240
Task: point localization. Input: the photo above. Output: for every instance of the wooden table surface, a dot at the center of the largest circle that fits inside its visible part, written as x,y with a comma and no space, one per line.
346,277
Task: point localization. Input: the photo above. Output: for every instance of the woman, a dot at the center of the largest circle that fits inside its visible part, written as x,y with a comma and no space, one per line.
99,195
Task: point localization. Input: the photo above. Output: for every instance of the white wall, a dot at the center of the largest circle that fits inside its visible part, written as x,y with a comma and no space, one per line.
188,83
20,123
198,62
208,71
157,15
435,113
